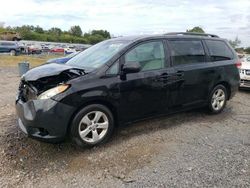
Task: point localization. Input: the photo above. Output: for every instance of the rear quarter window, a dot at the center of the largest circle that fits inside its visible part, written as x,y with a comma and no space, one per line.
187,52
219,50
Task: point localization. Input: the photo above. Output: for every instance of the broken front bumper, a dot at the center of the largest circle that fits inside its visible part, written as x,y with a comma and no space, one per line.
46,120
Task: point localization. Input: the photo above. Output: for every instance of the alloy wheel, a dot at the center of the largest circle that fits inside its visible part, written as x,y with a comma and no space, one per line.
218,99
93,126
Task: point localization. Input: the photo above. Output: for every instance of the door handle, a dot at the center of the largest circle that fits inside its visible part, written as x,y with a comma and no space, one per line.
180,73
162,77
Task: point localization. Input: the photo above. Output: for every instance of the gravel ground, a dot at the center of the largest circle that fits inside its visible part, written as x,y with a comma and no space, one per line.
191,149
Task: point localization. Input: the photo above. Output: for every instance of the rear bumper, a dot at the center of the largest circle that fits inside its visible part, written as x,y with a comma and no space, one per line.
45,120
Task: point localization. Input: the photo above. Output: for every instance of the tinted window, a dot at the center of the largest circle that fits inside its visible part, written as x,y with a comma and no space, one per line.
150,55
218,50
187,52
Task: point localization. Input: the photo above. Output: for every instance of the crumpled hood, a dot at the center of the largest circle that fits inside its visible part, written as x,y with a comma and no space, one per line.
46,70
58,60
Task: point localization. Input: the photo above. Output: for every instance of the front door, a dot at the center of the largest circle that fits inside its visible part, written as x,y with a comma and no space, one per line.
143,94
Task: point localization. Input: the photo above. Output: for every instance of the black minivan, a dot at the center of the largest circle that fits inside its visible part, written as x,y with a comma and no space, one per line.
122,80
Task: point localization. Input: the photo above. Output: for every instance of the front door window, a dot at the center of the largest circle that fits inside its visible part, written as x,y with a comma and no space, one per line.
150,55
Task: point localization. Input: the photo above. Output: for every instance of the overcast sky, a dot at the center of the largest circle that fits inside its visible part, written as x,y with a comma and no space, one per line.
227,18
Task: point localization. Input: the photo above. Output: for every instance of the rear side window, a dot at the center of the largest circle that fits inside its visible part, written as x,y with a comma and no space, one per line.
187,52
219,51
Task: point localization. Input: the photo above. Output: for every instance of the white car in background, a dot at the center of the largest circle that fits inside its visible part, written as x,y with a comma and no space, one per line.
69,50
245,72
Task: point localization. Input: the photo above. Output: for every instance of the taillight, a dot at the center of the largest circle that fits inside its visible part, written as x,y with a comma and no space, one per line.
238,64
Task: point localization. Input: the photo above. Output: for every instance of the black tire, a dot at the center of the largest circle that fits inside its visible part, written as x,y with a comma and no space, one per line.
211,108
74,129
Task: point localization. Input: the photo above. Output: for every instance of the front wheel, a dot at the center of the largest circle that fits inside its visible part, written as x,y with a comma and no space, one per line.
91,126
217,99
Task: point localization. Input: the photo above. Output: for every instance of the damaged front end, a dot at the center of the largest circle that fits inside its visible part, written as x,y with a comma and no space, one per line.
32,85
39,115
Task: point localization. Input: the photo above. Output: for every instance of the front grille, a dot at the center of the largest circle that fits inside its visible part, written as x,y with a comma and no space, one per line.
26,92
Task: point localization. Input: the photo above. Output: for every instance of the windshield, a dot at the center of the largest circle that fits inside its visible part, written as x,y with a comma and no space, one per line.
97,55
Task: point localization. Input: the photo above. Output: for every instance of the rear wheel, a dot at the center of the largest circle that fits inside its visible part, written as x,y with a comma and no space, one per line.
91,126
218,99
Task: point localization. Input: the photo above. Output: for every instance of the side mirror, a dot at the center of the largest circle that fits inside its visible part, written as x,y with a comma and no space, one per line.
131,67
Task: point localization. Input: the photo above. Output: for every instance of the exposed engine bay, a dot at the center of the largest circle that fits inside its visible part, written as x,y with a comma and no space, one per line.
30,89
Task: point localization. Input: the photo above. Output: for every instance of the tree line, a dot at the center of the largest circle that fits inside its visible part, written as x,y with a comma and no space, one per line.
55,34
75,35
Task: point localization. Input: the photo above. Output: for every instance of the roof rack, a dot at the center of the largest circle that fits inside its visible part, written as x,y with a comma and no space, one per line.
193,34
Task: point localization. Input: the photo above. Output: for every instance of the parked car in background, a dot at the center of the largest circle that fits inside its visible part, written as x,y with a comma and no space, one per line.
122,80
62,60
80,48
69,50
45,48
9,47
34,49
240,55
23,48
245,72
10,36
57,50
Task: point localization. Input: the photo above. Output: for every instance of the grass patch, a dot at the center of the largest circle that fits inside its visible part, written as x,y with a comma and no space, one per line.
34,60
